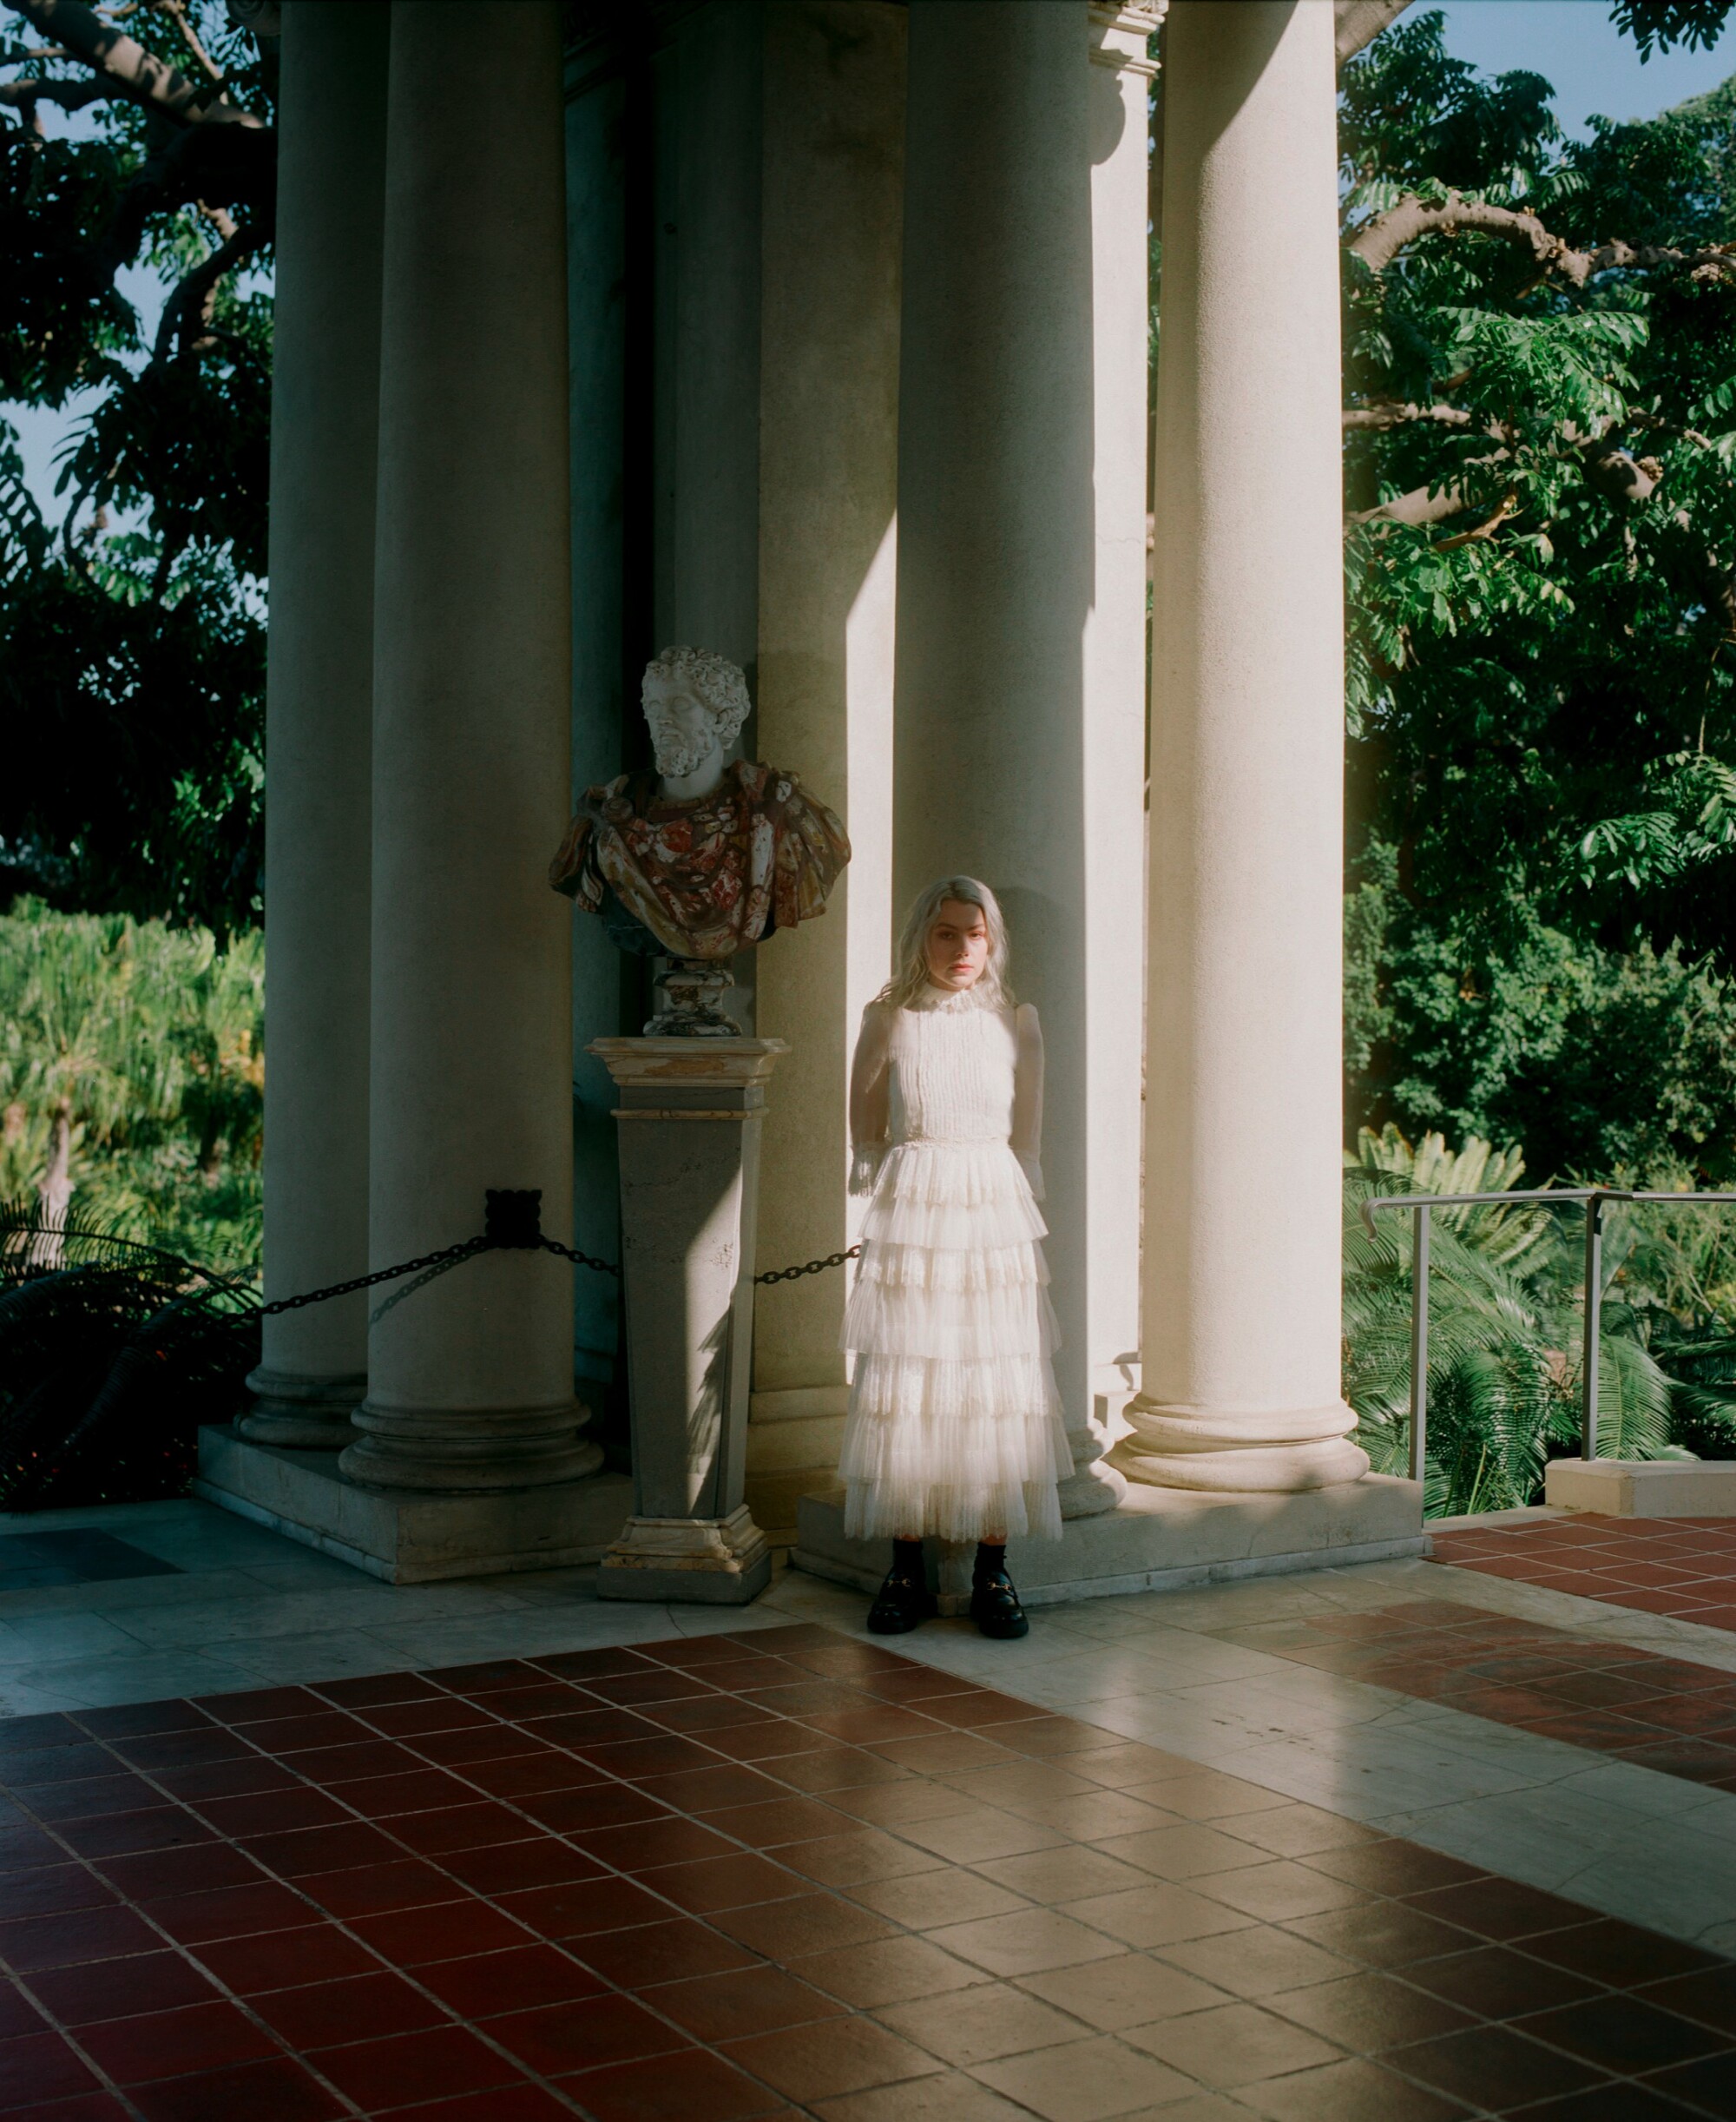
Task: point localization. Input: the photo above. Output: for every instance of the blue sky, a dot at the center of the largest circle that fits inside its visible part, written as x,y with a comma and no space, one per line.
1576,47
1572,42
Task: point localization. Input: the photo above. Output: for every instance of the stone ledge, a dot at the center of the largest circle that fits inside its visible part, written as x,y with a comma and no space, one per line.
1158,1539
404,1538
1643,1487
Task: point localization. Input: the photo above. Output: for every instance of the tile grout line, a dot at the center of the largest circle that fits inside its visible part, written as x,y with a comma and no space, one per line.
849,1822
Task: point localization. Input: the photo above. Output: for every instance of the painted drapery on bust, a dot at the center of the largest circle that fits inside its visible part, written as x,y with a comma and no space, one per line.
710,876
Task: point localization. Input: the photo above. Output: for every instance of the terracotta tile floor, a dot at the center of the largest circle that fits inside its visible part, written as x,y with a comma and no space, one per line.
1683,1567
1659,1712
771,1874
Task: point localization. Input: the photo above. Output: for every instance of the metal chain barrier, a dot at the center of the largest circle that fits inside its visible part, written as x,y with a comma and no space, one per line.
468,1250
513,1224
812,1267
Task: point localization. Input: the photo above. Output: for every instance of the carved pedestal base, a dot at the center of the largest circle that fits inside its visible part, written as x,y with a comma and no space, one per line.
721,1561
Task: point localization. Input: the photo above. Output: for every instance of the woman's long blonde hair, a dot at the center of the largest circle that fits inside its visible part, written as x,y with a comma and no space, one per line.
909,980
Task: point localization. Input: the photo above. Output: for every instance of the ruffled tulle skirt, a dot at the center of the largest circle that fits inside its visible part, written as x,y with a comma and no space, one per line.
955,1425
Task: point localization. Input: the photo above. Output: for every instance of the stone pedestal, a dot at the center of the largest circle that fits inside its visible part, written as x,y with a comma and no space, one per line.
689,1117
1158,1539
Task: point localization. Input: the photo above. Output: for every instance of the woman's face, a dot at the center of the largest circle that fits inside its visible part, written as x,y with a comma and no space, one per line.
957,947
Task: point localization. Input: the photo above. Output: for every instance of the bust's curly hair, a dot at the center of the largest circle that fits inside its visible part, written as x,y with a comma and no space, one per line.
721,684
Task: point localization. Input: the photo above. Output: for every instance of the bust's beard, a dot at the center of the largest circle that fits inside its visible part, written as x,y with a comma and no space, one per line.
675,761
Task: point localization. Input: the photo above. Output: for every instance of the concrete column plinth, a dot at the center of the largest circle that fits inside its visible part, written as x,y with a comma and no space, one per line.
1159,1539
690,1117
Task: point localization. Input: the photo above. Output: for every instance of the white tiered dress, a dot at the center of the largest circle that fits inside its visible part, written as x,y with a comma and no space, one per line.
955,1424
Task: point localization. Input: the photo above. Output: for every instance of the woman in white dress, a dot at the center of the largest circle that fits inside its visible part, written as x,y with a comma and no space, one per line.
955,1426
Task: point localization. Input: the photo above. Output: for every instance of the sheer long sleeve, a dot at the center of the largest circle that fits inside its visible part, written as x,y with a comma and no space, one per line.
1027,1137
870,1100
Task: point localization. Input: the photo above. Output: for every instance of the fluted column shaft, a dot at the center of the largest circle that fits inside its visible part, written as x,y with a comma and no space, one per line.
471,1378
1241,1330
318,707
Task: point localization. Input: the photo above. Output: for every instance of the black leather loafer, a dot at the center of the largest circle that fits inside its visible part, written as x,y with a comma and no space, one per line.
899,1603
995,1608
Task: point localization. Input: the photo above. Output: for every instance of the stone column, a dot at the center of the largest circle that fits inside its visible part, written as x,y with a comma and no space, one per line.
1016,745
470,1383
832,128
319,711
1242,1269
602,113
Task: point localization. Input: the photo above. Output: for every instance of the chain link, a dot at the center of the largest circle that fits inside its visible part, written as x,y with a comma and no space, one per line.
812,1267
583,1260
451,1253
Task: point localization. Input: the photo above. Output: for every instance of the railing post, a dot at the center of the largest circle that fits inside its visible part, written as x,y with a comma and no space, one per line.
1593,1309
1420,1339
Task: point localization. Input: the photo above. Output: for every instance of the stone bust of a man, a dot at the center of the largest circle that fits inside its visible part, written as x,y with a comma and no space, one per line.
705,856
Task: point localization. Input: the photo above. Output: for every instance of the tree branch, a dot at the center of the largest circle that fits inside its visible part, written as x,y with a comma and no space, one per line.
1487,529
1378,418
124,63
189,307
69,95
1380,240
176,11
1616,473
1418,508
1358,23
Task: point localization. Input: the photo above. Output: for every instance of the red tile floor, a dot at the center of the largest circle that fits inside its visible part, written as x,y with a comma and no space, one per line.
1684,1566
773,1874
1664,1713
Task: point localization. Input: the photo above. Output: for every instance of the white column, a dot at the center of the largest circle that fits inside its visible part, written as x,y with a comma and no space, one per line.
319,693
1114,649
1001,705
1241,1267
828,431
470,1378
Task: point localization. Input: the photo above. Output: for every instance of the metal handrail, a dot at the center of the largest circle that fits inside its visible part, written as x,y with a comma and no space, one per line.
1594,1197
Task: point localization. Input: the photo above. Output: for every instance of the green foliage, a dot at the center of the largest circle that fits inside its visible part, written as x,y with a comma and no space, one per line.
148,1041
1485,1021
1656,25
132,656
1505,1325
1542,758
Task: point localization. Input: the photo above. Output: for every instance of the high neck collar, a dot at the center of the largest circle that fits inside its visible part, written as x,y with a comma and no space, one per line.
951,1001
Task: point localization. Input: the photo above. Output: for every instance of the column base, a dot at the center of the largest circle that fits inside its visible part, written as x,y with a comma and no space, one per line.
1288,1452
794,1436
307,1414
713,1561
1095,1484
1158,1539
409,1538
504,1449
1092,1490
